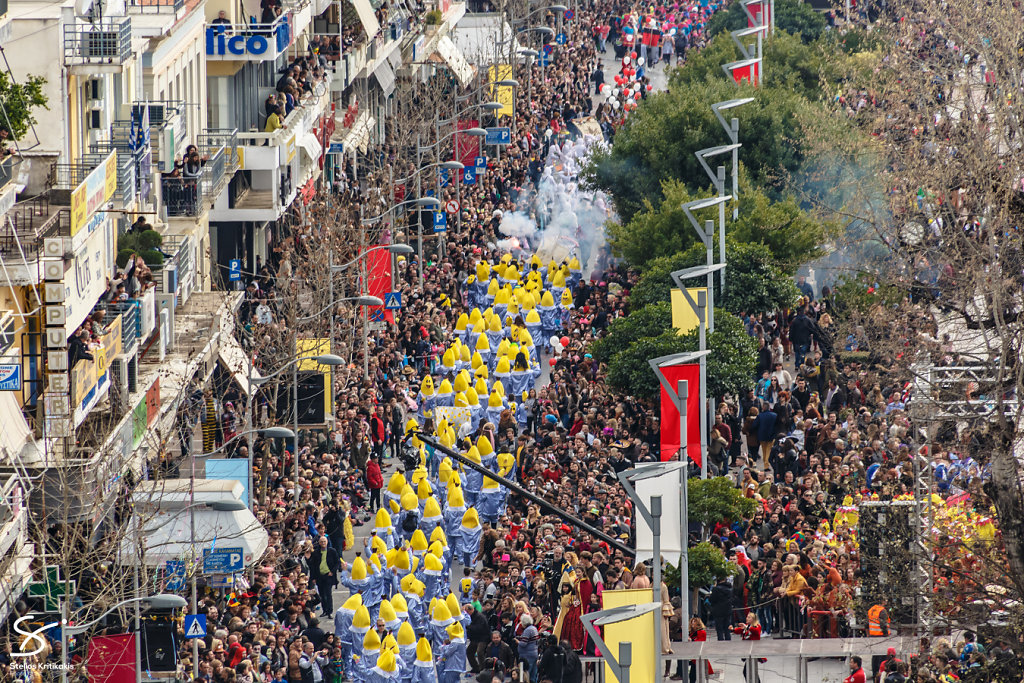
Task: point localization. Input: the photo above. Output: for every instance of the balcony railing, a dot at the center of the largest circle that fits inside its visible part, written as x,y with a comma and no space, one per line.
131,321
29,223
127,180
8,170
182,196
108,42
312,105
155,6
218,149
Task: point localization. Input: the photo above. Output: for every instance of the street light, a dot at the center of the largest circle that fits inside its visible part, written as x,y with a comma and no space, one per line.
620,666
732,129
161,601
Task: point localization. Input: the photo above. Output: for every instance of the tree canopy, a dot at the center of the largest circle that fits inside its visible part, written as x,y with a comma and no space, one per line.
791,16
18,100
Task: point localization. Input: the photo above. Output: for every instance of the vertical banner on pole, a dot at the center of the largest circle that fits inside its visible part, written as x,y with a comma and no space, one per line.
467,147
111,659
502,94
666,486
638,631
690,372
378,276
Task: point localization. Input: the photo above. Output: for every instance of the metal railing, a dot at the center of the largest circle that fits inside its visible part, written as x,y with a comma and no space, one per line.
131,321
8,169
107,42
226,138
182,196
127,182
156,6
29,223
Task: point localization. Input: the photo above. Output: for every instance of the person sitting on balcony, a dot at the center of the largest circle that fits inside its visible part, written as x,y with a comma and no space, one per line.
222,18
274,120
193,165
77,348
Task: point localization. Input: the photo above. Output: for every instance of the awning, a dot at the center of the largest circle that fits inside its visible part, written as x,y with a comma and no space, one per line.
163,518
15,429
358,136
385,75
236,362
366,17
311,146
451,56
395,57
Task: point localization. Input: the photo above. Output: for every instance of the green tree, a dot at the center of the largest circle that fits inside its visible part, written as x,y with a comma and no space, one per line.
754,282
657,143
792,235
707,564
17,102
730,364
649,321
716,499
791,16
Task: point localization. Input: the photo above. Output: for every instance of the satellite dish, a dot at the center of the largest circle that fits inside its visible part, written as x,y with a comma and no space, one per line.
84,10
94,10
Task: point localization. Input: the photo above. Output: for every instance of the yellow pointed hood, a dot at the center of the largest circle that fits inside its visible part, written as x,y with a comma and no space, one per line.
501,296
533,317
455,499
473,454
470,519
476,361
483,270
371,641
455,631
427,386
353,602
463,353
401,608
409,501
408,583
512,273
462,323
460,400
453,604
390,646
546,299
494,401
448,358
444,470
396,484
373,566
399,559
472,398
418,475
387,612
378,546
418,542
503,347
445,387
424,655
481,373
440,615
461,381
481,386
483,444
431,509
361,619
559,278
566,298
436,549
493,326
482,344
382,522
503,367
432,565
358,569
492,287
437,536
424,490
505,461
455,481
491,484
499,388
474,316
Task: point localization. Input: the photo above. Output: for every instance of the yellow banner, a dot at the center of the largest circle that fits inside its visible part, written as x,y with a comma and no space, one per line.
86,374
503,95
684,318
93,192
639,632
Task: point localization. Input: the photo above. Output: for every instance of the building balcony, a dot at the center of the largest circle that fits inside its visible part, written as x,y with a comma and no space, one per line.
104,46
191,196
28,223
155,6
16,552
8,171
250,42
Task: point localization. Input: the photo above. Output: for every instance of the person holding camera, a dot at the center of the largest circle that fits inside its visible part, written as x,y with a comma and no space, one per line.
312,663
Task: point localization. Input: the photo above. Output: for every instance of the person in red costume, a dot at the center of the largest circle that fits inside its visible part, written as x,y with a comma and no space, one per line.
750,630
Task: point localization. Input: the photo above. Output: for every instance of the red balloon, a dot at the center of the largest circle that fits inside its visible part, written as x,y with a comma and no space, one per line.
632,55
618,80
552,362
600,89
650,87
564,341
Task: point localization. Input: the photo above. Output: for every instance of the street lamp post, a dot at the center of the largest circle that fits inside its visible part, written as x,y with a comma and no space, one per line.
732,129
620,665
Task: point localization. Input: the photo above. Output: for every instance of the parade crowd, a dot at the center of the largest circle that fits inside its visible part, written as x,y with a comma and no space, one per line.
446,572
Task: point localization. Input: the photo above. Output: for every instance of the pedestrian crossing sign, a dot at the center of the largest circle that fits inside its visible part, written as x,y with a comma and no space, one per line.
393,301
195,625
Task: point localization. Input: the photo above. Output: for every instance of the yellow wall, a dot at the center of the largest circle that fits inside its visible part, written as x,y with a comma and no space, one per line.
73,116
638,632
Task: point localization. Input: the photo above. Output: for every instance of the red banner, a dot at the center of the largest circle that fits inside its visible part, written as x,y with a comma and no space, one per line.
467,147
378,281
111,659
762,12
690,373
746,73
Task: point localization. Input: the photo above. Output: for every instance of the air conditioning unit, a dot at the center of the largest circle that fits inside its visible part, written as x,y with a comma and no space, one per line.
94,89
101,44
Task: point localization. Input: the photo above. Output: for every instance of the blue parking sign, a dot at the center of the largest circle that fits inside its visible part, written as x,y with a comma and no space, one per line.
498,136
469,175
440,221
234,270
480,164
